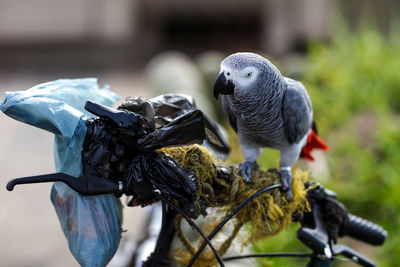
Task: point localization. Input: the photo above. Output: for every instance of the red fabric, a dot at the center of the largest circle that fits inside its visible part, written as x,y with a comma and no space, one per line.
313,141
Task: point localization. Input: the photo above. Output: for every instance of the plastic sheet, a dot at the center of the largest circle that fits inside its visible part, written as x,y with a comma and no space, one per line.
161,110
129,154
92,225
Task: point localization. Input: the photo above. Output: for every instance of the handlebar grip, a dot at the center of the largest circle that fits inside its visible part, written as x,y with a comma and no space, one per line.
364,230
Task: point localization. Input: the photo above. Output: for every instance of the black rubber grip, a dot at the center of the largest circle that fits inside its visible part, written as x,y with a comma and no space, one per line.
364,230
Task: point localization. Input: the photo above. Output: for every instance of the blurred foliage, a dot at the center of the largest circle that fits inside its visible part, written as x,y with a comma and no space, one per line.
354,73
354,84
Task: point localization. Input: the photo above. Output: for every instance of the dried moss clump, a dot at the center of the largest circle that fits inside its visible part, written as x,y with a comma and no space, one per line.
267,215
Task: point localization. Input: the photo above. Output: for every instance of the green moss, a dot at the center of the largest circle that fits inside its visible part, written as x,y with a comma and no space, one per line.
265,216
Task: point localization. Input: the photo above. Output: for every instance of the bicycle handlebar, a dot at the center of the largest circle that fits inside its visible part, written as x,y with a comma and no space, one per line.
365,231
329,220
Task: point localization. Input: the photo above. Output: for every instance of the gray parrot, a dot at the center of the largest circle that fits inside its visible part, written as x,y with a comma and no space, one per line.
266,110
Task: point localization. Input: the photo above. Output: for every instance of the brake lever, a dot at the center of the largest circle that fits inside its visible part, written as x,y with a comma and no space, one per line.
122,118
339,249
86,184
317,240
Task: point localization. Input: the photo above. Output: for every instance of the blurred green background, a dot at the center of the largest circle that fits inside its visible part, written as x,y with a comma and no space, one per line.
347,53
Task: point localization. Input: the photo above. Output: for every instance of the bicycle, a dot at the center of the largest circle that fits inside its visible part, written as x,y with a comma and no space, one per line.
313,233
320,229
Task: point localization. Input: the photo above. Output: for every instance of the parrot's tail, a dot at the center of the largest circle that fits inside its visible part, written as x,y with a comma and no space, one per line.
313,141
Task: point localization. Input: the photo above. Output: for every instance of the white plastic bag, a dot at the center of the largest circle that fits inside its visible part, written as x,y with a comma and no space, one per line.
91,224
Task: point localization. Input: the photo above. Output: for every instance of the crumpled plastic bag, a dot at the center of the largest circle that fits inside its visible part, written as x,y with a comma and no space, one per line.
161,110
122,146
91,224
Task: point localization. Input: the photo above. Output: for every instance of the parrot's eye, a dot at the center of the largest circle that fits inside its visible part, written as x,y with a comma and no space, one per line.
228,73
248,75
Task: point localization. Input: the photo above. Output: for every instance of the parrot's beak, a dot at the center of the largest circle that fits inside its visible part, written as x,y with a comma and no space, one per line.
223,86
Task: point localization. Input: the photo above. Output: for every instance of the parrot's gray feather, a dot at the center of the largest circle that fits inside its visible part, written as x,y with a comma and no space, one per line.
266,110
297,111
229,114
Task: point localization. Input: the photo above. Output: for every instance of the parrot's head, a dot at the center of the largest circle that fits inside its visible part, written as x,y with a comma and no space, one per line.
242,74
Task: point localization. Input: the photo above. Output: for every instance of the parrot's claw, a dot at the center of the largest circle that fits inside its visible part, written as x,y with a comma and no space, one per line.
286,178
246,167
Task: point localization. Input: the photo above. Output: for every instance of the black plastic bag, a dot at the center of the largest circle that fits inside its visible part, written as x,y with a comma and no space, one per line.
122,145
161,110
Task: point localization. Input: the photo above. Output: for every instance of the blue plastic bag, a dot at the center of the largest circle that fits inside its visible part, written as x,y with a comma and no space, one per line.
91,224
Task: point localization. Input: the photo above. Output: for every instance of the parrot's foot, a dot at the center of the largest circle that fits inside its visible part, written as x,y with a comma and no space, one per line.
286,178
246,168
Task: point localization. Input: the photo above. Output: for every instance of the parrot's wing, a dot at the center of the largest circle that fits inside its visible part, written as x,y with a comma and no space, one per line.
228,112
296,110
